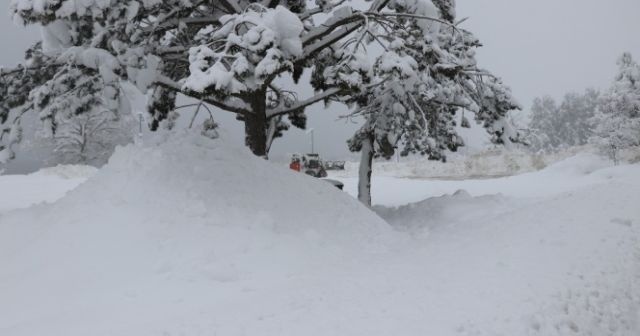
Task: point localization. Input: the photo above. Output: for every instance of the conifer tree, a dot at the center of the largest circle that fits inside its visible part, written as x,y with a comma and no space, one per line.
617,123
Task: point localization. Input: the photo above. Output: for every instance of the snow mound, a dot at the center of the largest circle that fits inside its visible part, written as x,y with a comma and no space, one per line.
195,179
443,212
69,171
580,164
46,185
166,237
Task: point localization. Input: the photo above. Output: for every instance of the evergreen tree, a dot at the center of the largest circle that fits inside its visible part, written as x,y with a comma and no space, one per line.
426,74
405,65
568,124
618,119
235,55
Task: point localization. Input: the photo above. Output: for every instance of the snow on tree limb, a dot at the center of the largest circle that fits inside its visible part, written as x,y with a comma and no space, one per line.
302,104
229,53
238,107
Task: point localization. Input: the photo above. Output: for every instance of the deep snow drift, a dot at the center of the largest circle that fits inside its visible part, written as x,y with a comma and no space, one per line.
188,236
192,237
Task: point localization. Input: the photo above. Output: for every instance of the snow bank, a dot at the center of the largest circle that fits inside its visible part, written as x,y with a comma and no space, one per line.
479,164
46,185
185,237
69,171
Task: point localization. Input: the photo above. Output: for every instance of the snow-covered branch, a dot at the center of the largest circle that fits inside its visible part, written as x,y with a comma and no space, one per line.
302,104
237,107
413,16
344,22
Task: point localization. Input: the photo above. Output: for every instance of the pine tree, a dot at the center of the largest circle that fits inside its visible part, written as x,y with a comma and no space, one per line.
618,119
405,65
569,124
239,56
426,74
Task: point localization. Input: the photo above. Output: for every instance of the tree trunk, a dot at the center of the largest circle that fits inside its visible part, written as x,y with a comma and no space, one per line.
364,176
255,125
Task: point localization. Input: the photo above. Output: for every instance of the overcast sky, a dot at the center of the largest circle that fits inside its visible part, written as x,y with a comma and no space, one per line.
538,47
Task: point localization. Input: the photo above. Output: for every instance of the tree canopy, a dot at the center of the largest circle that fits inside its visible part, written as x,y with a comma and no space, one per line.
407,66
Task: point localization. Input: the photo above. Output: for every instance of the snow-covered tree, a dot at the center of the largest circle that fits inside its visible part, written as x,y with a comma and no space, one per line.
405,65
543,113
15,86
239,56
568,124
618,118
425,74
73,70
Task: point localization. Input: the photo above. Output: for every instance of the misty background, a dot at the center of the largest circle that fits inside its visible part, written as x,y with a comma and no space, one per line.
544,47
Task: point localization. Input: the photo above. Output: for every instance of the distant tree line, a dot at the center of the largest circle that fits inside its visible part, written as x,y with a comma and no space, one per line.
609,119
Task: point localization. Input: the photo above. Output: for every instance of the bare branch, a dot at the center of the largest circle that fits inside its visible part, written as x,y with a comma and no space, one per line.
232,6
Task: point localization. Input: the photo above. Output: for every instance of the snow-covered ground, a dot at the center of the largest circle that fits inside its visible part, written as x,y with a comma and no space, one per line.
46,185
195,238
477,163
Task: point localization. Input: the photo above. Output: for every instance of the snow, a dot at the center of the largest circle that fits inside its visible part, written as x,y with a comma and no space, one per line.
63,9
47,185
425,8
93,58
560,177
287,27
195,237
56,37
471,163
271,43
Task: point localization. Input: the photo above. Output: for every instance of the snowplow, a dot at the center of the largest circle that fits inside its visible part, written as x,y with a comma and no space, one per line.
310,164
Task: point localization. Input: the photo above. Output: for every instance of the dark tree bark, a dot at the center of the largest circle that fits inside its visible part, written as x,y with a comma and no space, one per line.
256,124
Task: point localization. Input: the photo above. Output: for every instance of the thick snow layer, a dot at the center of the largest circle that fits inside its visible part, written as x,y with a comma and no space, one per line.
189,237
568,264
192,237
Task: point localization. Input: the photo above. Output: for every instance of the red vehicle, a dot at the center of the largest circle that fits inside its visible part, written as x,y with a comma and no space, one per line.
310,164
295,164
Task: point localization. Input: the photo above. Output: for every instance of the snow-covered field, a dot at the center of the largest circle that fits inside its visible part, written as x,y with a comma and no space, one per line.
478,163
195,238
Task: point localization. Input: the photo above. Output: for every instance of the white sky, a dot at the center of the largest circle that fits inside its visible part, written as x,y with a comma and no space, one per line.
537,46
